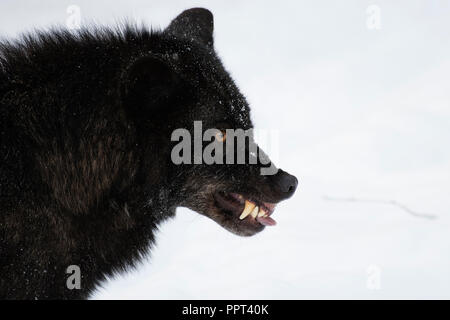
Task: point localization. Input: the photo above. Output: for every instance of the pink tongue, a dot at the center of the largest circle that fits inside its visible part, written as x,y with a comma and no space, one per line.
267,221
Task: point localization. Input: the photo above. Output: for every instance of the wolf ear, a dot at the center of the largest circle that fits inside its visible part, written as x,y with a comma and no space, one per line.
147,86
196,24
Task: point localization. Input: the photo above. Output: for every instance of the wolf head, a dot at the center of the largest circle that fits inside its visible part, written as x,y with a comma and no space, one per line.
181,90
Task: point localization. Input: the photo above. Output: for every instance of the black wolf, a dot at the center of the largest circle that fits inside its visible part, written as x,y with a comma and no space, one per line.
86,173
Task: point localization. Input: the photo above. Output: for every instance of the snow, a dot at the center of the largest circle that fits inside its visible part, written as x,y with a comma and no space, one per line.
360,113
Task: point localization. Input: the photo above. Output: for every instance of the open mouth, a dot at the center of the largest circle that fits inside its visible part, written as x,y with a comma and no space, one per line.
246,210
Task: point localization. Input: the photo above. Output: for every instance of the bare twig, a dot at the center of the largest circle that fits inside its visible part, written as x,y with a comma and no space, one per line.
387,202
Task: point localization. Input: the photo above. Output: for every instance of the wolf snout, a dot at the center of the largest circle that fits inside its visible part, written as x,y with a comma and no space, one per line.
284,184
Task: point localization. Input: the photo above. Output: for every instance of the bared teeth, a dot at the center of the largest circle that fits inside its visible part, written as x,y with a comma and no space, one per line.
254,213
262,213
251,209
248,208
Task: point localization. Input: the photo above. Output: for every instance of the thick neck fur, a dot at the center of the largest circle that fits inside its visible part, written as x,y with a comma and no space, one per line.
92,208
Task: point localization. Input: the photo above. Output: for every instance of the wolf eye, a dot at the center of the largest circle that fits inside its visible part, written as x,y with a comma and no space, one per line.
221,136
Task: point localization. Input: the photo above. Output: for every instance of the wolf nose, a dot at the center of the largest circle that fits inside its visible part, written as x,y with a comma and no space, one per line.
285,184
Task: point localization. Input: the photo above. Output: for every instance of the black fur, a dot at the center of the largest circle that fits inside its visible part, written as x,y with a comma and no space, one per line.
85,171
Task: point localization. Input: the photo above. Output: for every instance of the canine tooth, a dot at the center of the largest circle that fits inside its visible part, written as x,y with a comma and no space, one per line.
262,213
247,209
254,213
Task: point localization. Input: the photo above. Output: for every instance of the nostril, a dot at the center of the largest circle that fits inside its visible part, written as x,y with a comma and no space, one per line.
292,185
286,184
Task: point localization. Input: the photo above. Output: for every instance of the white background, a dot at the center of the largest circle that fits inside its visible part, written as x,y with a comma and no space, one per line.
360,112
